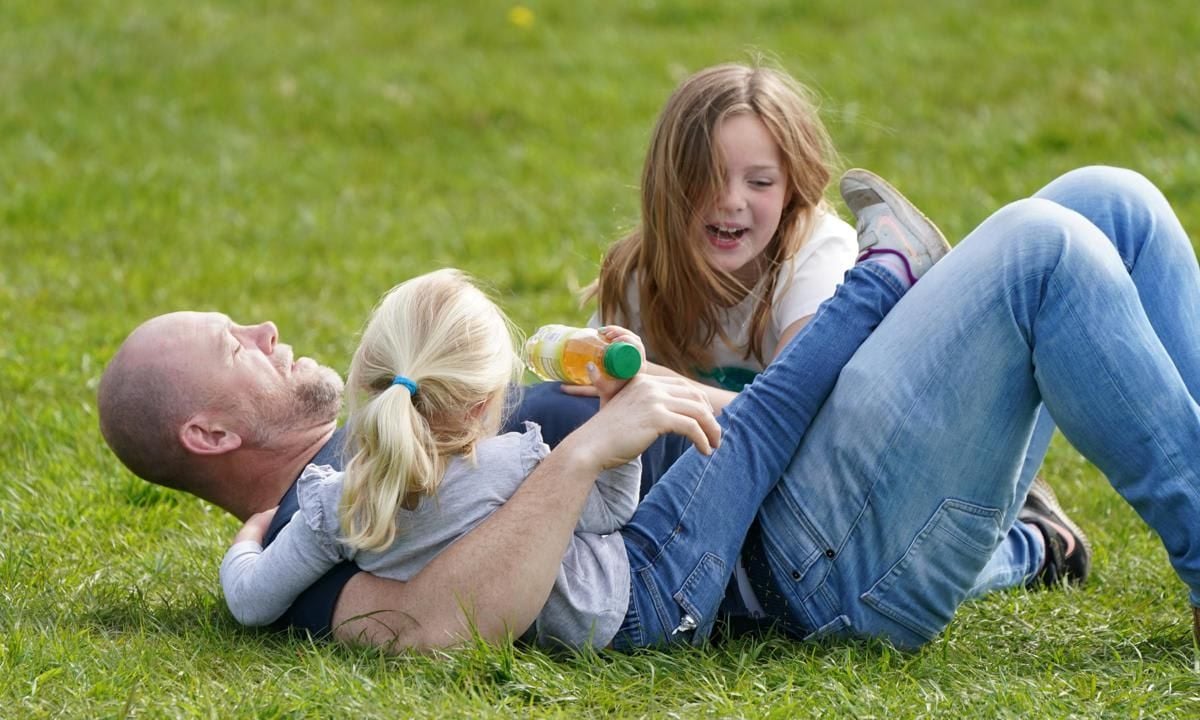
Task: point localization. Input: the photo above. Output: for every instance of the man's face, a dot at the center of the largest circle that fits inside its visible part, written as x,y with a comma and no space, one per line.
246,373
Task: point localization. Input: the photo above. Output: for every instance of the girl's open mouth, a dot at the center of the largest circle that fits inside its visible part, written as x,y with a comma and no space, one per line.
724,238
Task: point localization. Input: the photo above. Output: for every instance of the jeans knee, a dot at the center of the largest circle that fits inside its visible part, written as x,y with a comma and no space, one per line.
1108,180
1035,230
1107,194
1033,237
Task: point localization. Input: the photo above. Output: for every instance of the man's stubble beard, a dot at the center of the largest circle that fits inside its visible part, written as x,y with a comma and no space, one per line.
313,402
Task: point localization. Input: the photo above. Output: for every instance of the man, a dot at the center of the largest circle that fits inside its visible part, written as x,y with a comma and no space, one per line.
196,402
224,411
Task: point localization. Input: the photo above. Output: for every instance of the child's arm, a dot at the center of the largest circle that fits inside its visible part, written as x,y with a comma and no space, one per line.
717,397
260,584
790,332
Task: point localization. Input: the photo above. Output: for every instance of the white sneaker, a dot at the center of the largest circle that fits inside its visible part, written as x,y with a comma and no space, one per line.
889,224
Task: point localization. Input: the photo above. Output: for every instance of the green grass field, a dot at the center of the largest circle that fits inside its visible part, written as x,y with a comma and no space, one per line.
292,161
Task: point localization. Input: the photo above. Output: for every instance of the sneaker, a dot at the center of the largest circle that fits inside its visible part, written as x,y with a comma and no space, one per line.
1041,509
889,224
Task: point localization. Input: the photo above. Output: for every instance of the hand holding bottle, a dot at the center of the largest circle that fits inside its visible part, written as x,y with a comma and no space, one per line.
604,385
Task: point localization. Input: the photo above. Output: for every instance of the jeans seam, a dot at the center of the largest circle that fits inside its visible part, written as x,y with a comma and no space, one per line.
633,623
659,607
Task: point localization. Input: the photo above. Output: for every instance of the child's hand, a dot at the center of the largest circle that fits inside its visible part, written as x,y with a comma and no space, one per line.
255,527
606,387
616,333
611,333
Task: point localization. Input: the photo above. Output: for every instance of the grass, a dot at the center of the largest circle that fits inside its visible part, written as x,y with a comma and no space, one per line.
293,160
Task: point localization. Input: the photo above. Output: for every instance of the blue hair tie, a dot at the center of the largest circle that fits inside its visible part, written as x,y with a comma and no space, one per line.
401,380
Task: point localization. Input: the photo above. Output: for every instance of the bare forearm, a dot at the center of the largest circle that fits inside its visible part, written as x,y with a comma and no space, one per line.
495,579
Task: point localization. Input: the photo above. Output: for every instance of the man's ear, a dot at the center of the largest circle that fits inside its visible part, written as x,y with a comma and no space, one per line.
205,435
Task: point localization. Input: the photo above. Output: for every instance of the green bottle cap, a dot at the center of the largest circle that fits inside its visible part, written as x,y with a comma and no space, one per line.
622,360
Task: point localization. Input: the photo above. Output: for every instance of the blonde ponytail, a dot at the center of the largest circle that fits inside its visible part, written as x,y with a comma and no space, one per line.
444,335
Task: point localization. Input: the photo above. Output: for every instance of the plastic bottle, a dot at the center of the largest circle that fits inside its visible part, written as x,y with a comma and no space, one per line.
561,352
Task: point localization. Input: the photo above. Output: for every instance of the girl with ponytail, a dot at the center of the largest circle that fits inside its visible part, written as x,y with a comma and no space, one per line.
427,387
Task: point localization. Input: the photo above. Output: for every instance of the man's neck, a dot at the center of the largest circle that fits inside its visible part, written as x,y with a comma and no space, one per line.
265,474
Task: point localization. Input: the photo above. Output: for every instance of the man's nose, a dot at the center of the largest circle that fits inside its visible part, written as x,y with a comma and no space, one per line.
264,335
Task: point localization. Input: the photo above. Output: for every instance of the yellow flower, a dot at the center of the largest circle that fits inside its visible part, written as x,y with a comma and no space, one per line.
520,16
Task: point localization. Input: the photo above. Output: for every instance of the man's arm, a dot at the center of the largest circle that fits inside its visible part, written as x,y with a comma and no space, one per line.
496,578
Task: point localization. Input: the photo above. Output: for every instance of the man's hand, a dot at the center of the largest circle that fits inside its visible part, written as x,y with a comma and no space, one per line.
255,527
644,408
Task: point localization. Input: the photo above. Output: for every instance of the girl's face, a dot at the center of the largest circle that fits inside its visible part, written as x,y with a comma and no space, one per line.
740,224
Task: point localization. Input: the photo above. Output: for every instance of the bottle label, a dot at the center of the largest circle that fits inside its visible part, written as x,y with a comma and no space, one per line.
544,351
561,352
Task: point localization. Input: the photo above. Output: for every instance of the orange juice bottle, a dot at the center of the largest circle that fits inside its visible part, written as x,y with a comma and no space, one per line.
560,352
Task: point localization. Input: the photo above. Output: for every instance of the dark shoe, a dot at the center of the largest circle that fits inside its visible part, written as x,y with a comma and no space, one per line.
1040,510
1196,625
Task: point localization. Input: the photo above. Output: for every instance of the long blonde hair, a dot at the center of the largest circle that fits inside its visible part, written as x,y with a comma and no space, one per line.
440,331
680,295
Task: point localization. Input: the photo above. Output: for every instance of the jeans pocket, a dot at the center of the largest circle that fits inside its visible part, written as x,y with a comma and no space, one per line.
923,589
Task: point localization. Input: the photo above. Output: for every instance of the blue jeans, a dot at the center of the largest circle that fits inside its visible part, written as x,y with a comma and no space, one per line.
1083,303
686,534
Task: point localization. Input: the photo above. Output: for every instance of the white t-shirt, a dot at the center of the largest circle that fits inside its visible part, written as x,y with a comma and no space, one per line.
805,280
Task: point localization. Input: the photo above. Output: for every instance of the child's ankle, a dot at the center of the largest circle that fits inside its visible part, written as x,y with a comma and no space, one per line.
894,264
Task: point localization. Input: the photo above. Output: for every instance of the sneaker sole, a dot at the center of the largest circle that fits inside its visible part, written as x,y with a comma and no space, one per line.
933,242
1041,492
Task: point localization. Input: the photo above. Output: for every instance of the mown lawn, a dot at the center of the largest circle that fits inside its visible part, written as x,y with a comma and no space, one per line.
292,161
